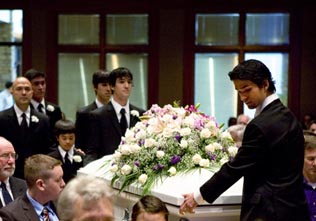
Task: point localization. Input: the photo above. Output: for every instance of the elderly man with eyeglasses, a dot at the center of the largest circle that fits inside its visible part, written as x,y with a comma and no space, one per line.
11,187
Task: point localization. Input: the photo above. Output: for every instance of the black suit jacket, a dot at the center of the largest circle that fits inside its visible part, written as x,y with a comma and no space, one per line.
20,209
18,187
271,162
82,125
54,114
69,172
38,140
105,132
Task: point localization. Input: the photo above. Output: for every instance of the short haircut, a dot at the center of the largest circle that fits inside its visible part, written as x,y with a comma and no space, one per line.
149,204
64,126
8,84
100,76
87,188
33,73
39,166
120,73
253,70
310,141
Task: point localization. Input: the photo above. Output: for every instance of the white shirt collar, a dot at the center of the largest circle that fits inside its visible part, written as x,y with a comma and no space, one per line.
63,152
118,107
268,100
98,103
35,103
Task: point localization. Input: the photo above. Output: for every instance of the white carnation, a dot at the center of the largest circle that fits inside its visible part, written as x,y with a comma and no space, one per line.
184,143
172,171
210,148
185,131
142,178
113,168
205,133
204,163
196,159
160,153
135,113
77,158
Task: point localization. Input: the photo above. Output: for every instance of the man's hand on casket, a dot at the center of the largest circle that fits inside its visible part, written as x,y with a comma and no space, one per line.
188,204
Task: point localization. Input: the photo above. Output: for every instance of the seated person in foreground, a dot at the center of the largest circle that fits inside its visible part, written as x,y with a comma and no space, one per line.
86,198
150,208
71,158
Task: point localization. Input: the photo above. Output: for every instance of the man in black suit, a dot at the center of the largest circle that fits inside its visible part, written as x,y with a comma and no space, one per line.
66,151
27,129
102,89
108,123
11,187
270,158
43,175
38,102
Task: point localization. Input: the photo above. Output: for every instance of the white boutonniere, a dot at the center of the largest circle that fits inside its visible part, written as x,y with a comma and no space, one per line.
34,119
77,158
50,108
135,113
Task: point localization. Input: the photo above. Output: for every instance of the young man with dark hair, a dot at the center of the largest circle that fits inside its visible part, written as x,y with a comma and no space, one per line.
102,89
109,123
270,158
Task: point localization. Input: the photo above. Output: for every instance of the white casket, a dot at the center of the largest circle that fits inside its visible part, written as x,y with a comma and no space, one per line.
170,190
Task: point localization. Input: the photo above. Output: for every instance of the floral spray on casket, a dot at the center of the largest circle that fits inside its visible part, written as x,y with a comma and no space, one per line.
167,141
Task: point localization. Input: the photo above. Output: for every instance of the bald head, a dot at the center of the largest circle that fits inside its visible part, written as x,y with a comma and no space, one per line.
22,92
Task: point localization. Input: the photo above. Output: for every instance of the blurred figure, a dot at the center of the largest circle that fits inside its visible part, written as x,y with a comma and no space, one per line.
44,178
6,99
308,119
309,172
9,185
243,119
102,90
86,198
150,208
232,121
237,133
312,128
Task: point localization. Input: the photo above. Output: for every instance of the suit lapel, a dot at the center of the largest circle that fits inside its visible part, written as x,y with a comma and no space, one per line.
29,211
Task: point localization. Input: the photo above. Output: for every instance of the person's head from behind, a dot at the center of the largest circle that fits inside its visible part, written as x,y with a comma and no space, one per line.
121,81
312,128
101,85
65,133
44,177
86,198
38,80
8,84
237,133
309,169
232,121
22,92
150,208
7,159
253,81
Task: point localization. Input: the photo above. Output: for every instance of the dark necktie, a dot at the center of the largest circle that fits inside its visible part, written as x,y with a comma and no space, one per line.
40,108
67,161
123,122
45,214
23,125
6,195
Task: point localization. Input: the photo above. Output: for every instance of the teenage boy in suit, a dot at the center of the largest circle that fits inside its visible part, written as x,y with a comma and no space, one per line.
270,158
27,129
108,124
66,152
102,90
13,186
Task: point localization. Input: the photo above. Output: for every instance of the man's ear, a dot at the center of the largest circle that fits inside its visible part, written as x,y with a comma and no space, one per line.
266,84
40,184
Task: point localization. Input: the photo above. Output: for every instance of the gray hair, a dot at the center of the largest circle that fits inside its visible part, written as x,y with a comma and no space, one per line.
87,188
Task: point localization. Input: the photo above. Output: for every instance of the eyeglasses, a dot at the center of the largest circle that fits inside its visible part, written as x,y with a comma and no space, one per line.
7,156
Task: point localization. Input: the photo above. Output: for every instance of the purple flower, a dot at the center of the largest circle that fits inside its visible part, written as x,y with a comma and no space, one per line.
175,159
141,142
178,137
137,163
158,167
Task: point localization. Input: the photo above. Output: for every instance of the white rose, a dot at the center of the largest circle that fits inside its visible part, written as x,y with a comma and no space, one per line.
185,131
172,171
126,169
125,149
196,159
204,163
160,154
184,143
205,133
34,119
167,132
210,148
149,142
142,178
134,148
135,113
77,158
114,168
50,108
117,155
